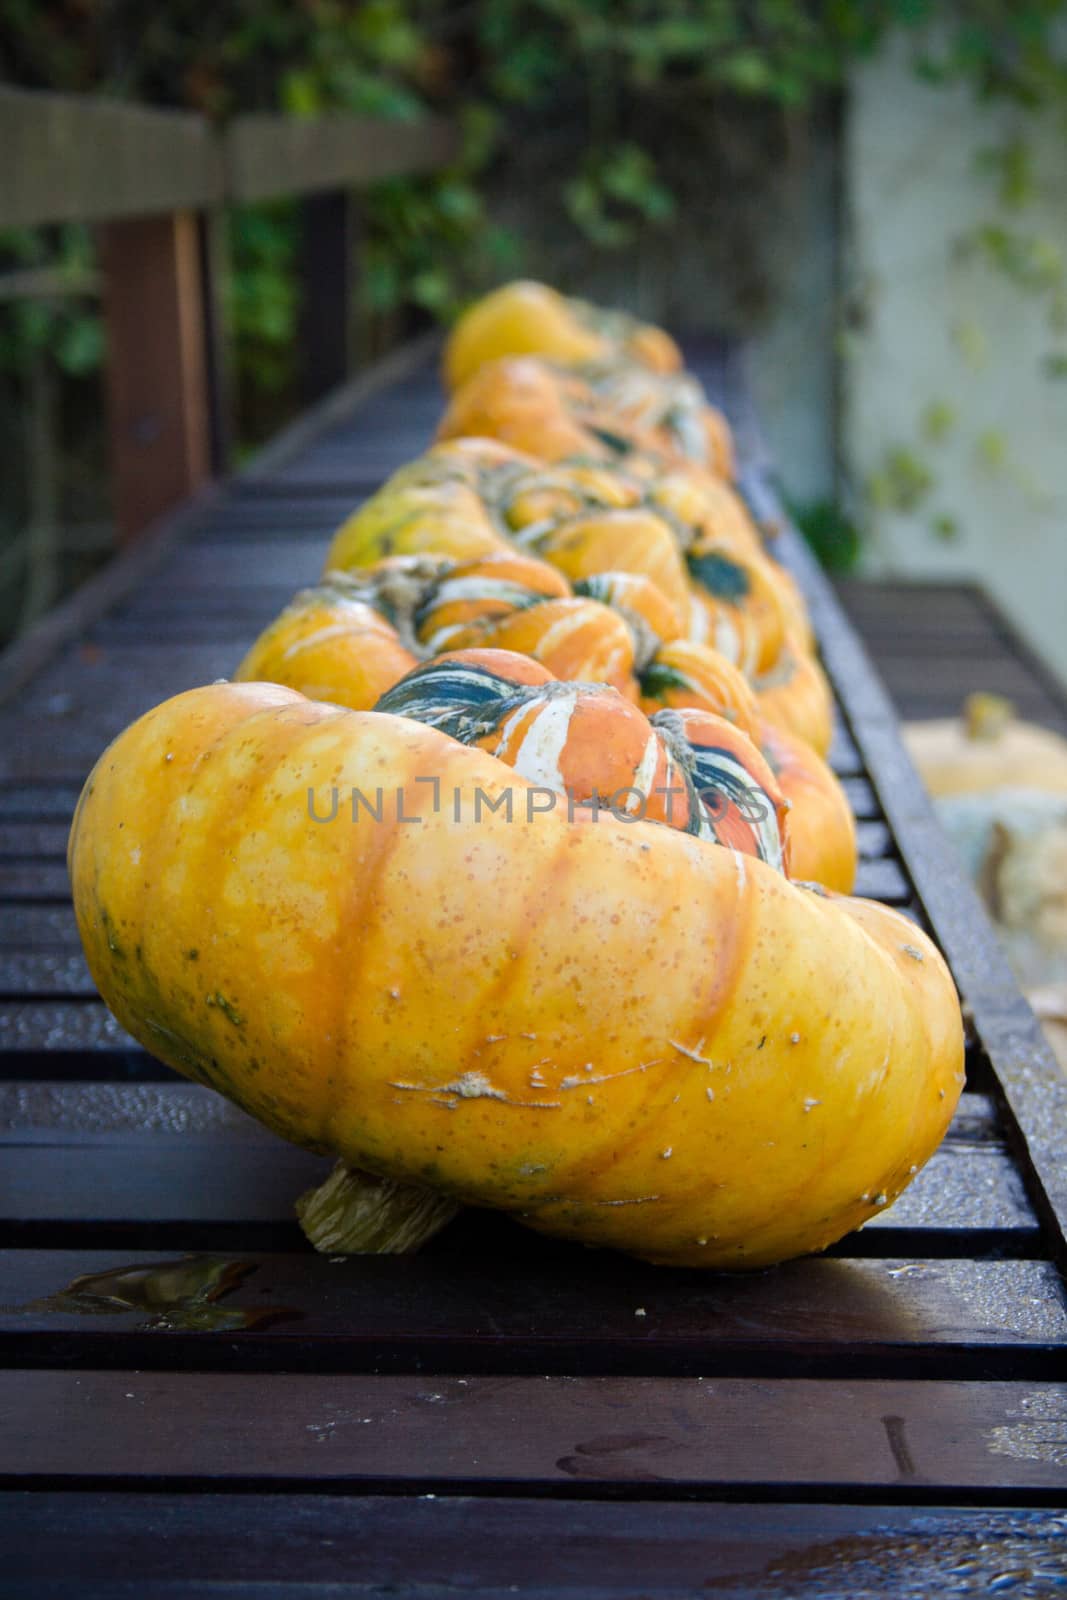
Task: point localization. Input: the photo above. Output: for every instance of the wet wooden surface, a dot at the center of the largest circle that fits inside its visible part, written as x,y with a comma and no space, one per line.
935,643
887,1419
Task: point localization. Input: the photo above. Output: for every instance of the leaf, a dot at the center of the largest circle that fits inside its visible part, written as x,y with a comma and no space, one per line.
938,420
301,95
992,447
79,348
945,527
970,340
832,534
902,482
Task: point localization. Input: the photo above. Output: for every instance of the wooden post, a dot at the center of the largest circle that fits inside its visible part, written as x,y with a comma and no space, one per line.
157,367
326,271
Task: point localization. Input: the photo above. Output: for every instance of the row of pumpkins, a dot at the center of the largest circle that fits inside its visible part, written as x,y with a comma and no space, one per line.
510,869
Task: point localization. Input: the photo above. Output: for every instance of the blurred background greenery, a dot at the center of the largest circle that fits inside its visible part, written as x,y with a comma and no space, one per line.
593,131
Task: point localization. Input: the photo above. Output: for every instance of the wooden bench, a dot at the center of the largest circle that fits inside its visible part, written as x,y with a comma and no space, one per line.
501,1410
935,643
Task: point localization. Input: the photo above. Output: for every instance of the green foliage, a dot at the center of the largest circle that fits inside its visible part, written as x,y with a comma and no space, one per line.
261,293
65,325
588,127
938,420
832,534
602,105
945,527
902,482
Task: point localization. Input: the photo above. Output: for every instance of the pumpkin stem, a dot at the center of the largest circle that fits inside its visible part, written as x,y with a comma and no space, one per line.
985,716
355,1213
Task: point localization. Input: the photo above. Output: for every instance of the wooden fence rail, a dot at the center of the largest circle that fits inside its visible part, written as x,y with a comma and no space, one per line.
157,184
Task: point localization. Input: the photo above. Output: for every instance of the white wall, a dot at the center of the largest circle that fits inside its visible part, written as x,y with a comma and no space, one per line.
938,330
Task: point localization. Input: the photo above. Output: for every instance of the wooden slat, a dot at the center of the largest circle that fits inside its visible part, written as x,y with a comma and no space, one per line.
44,974
181,1107
260,519
72,1036
883,880
207,1547
73,159
38,802
268,156
37,927
120,1183
25,840
73,710
873,840
562,1311
33,928
459,1432
284,565
862,799
34,880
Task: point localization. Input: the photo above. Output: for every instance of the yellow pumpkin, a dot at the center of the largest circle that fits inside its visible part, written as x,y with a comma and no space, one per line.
467,599
617,1032
987,748
526,318
795,695
822,830
431,505
333,644
642,604
469,498
737,607
714,511
524,404
632,369
684,673
354,635
606,540
576,639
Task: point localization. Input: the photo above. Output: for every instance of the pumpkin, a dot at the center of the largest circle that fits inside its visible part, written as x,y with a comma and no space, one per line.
526,318
822,830
687,769
673,409
592,519
468,596
608,540
559,415
332,643
632,369
737,607
987,748
615,1031
431,505
795,695
574,638
683,673
711,510
652,619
